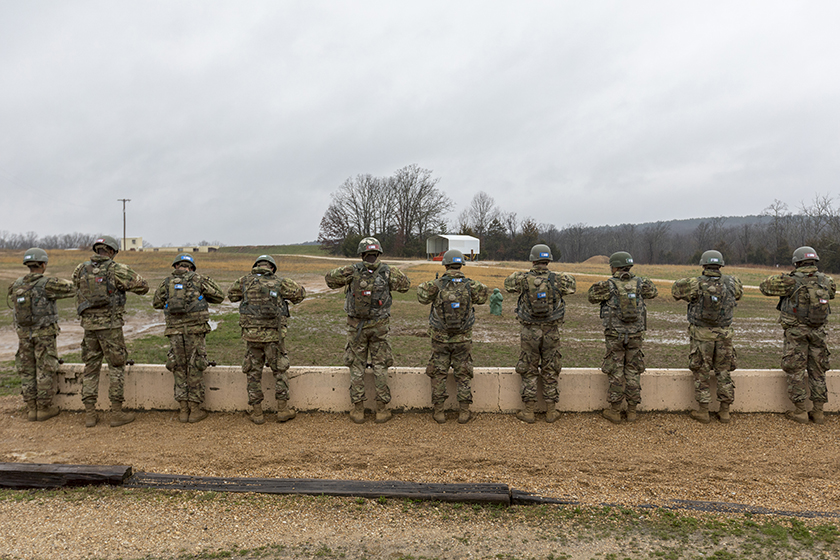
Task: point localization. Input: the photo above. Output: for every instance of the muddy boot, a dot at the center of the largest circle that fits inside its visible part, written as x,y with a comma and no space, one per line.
799,414
197,414
701,415
47,411
527,412
90,415
357,415
31,411
551,414
439,415
256,415
118,416
464,413
613,413
382,413
816,413
184,412
631,413
284,413
723,413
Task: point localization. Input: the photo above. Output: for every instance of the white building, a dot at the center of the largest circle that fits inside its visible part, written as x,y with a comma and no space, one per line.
437,245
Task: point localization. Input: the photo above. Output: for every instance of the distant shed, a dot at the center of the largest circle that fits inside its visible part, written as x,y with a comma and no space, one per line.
437,245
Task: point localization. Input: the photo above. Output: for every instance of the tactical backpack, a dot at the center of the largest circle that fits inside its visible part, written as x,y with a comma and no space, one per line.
33,309
368,295
261,298
809,301
716,305
98,288
625,310
540,300
452,310
183,295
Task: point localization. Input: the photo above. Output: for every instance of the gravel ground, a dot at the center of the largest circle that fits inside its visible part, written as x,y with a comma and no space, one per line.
760,460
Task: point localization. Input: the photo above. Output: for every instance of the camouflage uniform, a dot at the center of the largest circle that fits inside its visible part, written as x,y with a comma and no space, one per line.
265,338
711,348
367,327
539,336
450,347
805,357
103,324
496,300
37,358
187,358
624,361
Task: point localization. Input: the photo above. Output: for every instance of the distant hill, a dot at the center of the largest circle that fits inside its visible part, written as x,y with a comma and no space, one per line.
689,225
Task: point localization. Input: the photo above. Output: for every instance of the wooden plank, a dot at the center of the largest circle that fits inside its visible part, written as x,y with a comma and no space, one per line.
41,475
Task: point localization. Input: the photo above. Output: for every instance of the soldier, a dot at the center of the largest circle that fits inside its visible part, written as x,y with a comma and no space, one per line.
496,300
184,297
367,289
451,319
540,310
36,323
624,315
804,296
711,298
263,313
101,284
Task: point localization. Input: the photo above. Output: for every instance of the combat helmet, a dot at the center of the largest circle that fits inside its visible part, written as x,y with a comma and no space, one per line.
184,257
621,259
109,242
711,258
453,256
35,255
267,258
805,254
369,244
540,252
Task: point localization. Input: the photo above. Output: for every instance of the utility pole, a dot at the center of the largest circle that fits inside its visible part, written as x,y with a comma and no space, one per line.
124,200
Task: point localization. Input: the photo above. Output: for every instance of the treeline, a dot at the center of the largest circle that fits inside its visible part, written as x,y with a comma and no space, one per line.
23,241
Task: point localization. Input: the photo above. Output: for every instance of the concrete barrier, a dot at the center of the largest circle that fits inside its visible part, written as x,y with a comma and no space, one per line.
150,387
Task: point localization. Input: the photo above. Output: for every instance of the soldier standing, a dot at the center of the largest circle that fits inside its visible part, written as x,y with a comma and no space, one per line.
451,319
184,297
36,323
540,310
263,312
367,289
624,316
711,298
804,296
101,284
496,300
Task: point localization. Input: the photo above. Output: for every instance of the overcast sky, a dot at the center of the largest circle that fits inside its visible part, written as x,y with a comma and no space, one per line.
234,121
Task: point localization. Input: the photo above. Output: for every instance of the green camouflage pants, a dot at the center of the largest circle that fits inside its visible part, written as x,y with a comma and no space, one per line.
539,357
624,364
368,346
272,354
707,356
458,356
187,360
110,345
805,359
37,363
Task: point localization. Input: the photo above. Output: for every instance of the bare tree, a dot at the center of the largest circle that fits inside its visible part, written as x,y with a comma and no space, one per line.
481,212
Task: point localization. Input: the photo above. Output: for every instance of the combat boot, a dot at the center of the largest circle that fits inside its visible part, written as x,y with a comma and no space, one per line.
527,412
256,415
357,415
551,414
439,415
816,413
118,416
90,415
184,412
47,411
701,415
798,415
464,413
631,413
197,414
613,413
723,413
31,411
382,413
284,413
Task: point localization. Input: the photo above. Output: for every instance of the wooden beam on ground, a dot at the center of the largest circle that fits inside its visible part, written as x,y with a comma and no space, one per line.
470,493
38,475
